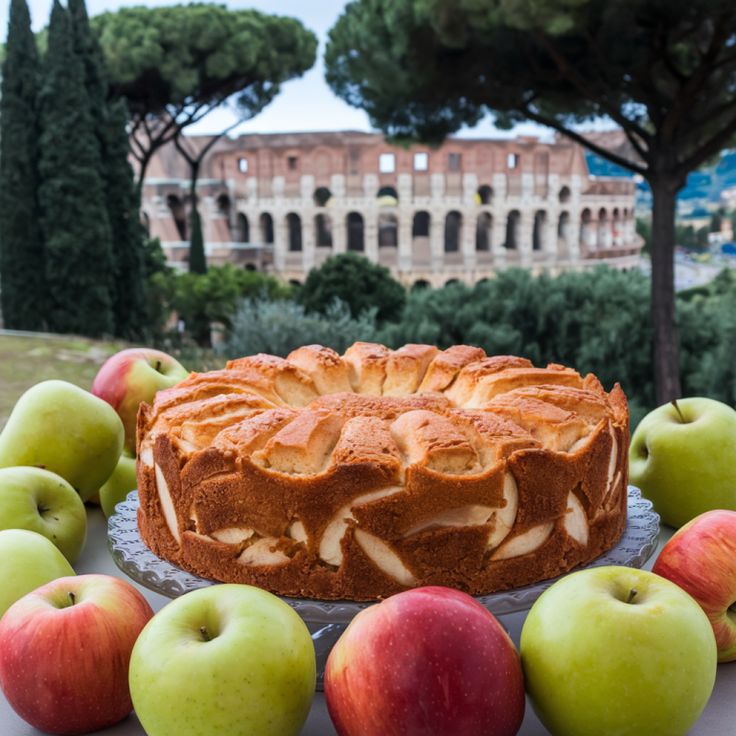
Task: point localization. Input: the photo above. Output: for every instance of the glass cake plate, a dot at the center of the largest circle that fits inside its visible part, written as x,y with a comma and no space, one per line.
326,620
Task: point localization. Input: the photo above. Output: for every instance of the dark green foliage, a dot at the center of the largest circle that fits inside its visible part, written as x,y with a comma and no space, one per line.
121,196
21,247
201,300
175,64
278,327
197,258
353,279
79,263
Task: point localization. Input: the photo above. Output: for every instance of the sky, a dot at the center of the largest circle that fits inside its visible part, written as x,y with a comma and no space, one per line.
305,104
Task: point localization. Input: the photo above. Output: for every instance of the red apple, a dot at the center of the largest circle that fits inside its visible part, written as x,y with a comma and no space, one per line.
429,661
64,652
132,376
701,558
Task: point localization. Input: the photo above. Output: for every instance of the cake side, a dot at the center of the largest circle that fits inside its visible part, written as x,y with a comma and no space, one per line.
497,475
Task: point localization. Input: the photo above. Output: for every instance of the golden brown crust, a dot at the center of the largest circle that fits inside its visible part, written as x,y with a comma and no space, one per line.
360,475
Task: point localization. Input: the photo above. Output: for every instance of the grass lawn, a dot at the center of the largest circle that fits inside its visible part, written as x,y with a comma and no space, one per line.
24,361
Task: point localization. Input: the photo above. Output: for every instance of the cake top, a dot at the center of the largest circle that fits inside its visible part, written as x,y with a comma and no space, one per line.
454,412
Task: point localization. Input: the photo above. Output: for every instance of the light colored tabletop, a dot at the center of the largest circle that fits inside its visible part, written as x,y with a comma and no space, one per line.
719,718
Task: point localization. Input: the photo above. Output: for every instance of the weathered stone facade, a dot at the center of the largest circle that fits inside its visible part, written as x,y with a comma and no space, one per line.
285,202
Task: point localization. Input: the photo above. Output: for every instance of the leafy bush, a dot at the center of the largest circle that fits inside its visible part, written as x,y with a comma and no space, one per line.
278,327
357,282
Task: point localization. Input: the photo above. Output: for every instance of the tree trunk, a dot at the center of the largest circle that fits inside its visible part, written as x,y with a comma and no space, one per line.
666,365
197,258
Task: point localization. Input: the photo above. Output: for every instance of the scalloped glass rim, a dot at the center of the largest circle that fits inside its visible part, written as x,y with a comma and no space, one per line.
131,555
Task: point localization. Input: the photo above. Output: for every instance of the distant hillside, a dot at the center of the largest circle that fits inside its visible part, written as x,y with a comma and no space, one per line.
705,184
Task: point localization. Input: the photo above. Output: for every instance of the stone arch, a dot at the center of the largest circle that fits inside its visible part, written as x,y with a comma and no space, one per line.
604,229
250,267
565,195
321,196
539,234
513,230
420,224
355,231
484,195
616,227
453,231
178,214
323,231
295,282
420,284
224,205
265,222
483,230
388,230
587,234
563,231
294,229
450,282
243,228
387,196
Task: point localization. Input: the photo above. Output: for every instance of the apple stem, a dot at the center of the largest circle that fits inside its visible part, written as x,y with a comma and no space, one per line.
72,598
632,595
677,407
158,366
205,634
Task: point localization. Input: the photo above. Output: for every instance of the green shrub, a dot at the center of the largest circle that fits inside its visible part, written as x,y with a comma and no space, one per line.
278,327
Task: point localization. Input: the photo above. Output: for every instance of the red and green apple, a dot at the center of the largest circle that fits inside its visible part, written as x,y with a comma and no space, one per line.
701,558
430,661
65,649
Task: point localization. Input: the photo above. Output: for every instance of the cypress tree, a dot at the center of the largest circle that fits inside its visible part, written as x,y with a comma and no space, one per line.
79,262
21,247
121,195
197,258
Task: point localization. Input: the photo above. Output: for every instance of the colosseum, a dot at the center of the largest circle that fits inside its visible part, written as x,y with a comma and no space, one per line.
283,203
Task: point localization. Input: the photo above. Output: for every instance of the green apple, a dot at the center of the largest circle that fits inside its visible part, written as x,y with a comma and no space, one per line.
27,561
231,660
65,429
43,502
119,484
614,650
683,457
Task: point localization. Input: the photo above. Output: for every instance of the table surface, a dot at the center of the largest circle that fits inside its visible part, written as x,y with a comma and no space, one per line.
717,720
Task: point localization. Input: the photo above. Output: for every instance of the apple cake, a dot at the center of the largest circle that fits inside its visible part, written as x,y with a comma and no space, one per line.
359,475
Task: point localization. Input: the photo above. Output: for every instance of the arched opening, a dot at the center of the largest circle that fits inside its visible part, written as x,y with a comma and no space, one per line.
243,228
356,239
484,194
539,234
250,267
453,227
450,282
295,283
616,230
604,228
387,197
294,226
323,231
223,205
265,222
564,195
483,232
420,225
146,222
513,227
322,196
420,284
388,230
178,214
587,236
563,230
